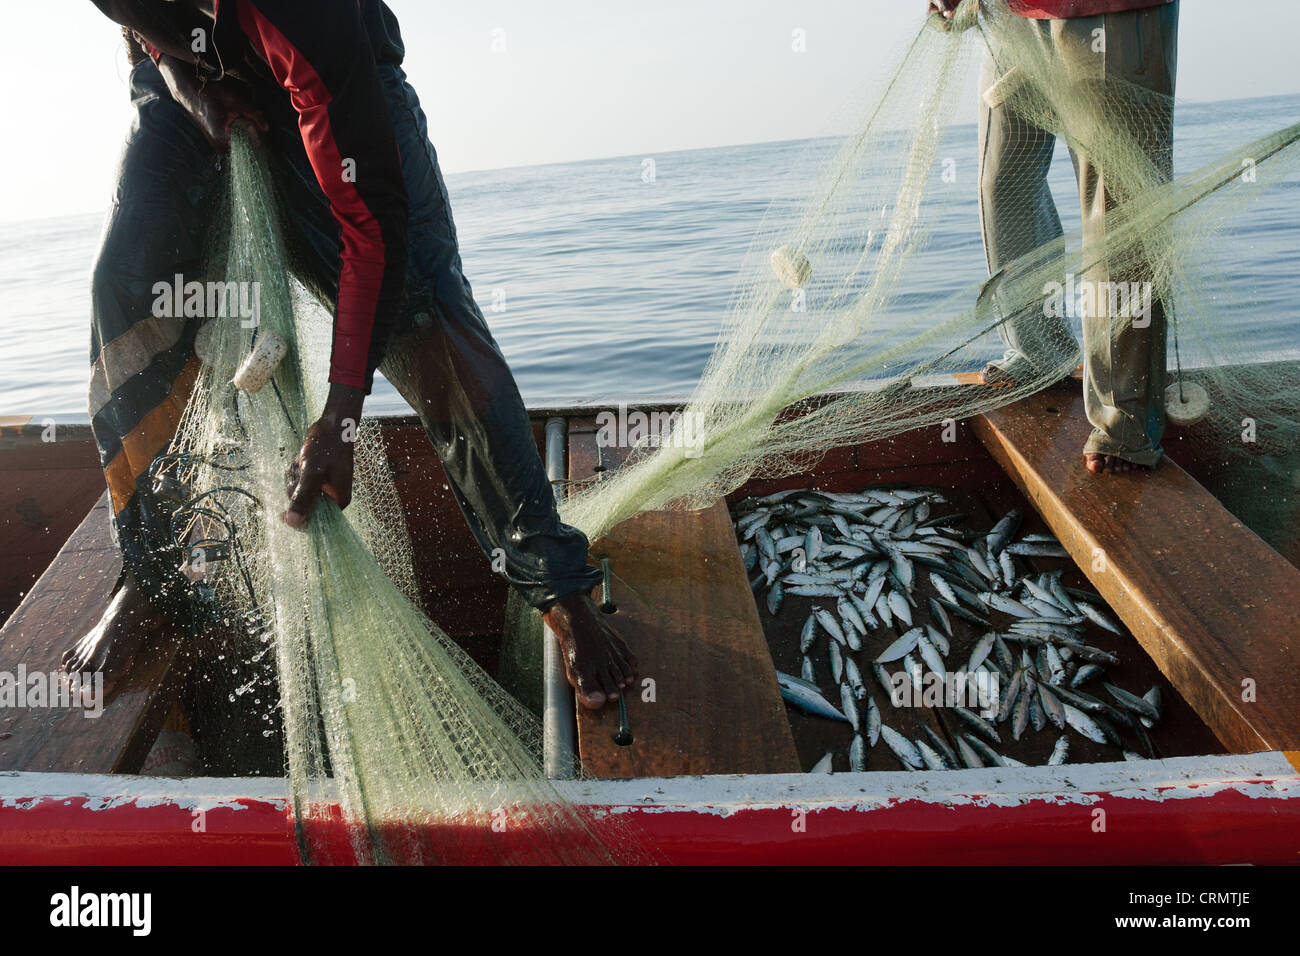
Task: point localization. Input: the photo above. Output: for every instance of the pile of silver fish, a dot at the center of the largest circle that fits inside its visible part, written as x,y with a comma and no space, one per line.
861,557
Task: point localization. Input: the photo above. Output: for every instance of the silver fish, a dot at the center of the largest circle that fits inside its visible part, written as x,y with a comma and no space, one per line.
981,650
1131,701
930,655
1086,673
1084,724
902,569
1097,617
873,591
774,598
1060,753
1008,569
827,620
939,614
941,746
978,723
931,758
849,613
1059,593
900,647
944,589
938,640
916,672
853,636
806,671
1040,592
1152,697
808,636
771,570
858,754
1031,550
1037,716
1003,531
987,753
1045,609
850,706
900,609
873,721
883,612
1055,666
789,543
968,755
814,590
837,661
883,679
903,748
864,611
980,564
1005,660
825,765
807,697
1052,707
853,677
1000,602
813,543
1009,695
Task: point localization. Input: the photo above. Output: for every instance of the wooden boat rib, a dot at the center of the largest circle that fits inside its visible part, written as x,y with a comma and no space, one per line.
714,772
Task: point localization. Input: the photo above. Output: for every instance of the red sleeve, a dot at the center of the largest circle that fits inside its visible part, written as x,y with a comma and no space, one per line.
155,54
319,52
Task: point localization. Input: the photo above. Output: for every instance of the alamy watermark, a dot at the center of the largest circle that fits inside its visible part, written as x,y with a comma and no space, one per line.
624,429
978,691
53,690
1085,298
208,300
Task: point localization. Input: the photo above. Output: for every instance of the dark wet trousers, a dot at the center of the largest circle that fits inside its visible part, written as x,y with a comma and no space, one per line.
441,356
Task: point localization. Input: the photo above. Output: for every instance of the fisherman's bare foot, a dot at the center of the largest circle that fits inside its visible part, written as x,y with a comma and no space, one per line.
1109,464
596,660
128,624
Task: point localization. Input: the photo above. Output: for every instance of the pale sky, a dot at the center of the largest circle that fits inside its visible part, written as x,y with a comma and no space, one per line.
577,79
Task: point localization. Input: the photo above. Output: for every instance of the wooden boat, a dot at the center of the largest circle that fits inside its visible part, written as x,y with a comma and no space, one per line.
715,773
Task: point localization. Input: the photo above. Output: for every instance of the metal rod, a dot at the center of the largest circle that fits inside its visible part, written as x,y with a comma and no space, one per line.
559,721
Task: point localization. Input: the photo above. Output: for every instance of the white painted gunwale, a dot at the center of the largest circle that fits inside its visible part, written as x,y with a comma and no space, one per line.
1267,775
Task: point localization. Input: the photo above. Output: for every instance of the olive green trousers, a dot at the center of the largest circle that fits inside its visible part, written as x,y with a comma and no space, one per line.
1124,362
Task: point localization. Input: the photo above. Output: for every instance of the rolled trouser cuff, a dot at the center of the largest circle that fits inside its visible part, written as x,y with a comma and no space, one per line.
543,596
1099,443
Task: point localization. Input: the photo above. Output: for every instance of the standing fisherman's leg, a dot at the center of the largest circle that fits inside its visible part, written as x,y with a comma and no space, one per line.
1124,367
142,363
447,365
1017,216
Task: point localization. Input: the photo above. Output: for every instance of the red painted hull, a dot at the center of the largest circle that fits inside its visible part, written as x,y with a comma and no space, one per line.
1249,815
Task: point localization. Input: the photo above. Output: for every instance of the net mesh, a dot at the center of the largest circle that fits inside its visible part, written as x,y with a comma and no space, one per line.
399,748
823,346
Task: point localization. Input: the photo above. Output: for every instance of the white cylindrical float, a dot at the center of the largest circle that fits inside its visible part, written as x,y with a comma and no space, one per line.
260,364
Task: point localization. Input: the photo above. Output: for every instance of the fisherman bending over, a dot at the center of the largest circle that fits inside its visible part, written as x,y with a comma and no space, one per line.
1124,369
323,84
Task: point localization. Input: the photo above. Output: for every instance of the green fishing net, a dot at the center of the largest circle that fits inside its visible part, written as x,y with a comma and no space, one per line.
827,342
399,748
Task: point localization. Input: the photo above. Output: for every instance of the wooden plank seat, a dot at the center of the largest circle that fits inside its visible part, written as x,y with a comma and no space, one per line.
685,608
1209,601
66,601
